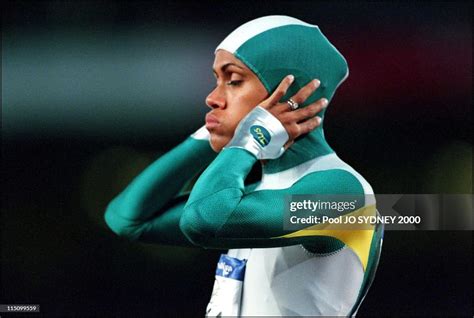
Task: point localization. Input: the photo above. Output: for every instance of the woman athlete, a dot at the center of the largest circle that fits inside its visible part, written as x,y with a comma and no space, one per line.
275,76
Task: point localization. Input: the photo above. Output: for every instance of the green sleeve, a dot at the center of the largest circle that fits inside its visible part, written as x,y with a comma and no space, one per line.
221,214
152,203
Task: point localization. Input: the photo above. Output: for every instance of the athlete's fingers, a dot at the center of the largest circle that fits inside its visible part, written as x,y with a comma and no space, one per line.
302,114
309,125
306,91
299,97
293,130
309,111
279,92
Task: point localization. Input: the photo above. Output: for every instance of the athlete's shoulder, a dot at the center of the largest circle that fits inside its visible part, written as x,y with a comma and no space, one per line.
335,175
324,174
330,181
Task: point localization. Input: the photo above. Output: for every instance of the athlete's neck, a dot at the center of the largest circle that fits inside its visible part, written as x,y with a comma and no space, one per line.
307,148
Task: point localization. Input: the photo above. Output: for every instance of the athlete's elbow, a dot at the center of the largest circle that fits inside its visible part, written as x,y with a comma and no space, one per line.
110,218
199,229
121,226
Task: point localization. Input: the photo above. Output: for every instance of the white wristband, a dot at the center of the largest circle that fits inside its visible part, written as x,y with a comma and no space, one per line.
260,133
201,134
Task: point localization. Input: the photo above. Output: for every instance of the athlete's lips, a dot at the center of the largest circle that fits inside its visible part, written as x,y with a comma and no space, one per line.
211,121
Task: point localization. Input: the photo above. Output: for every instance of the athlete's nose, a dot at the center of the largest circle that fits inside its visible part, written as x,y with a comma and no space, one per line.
215,99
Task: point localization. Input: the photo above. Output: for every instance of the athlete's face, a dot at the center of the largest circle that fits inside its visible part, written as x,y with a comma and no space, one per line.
237,92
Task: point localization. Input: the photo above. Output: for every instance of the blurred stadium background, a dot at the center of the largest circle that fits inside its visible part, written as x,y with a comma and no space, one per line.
94,91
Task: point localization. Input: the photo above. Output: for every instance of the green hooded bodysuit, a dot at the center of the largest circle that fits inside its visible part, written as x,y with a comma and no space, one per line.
288,273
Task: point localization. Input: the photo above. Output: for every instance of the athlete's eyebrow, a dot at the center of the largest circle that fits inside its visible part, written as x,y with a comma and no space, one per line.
225,66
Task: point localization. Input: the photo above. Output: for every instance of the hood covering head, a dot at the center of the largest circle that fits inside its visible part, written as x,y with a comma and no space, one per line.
276,46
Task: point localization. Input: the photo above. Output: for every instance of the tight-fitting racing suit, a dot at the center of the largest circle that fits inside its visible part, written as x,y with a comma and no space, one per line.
316,272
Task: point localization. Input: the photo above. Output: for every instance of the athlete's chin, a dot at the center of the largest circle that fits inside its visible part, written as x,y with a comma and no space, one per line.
218,142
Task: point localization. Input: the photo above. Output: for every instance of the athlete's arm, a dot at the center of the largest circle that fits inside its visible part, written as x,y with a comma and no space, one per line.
143,203
220,214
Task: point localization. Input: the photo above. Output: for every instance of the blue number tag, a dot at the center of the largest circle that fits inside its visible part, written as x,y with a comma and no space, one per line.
227,291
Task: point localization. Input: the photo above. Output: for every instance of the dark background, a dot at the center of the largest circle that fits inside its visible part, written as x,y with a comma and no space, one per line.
93,92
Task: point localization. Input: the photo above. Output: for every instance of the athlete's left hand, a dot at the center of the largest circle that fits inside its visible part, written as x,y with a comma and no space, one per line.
300,121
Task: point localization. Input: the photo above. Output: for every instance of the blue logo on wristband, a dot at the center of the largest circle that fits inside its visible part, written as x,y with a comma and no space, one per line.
261,135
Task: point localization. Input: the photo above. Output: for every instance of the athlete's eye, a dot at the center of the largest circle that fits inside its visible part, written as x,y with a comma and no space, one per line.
234,83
